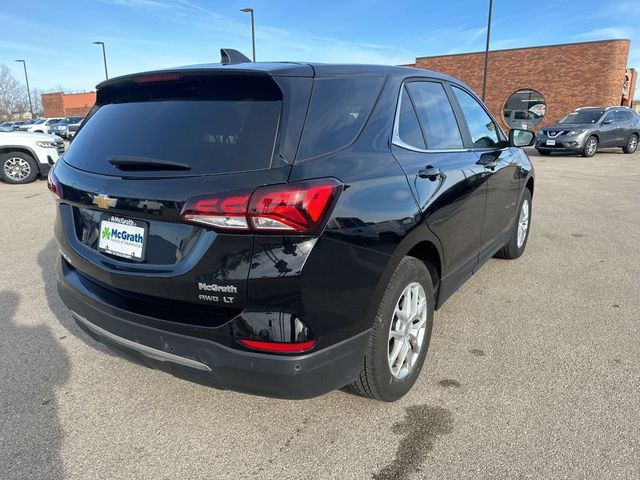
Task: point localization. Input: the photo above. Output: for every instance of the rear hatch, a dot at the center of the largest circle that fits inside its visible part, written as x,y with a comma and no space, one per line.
153,143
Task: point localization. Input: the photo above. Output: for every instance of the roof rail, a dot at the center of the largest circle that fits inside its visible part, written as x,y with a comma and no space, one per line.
229,56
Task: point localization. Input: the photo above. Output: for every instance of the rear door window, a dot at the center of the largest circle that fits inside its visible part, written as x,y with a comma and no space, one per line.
436,115
234,131
338,110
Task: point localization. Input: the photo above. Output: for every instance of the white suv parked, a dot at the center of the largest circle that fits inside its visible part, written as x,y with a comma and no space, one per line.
24,156
40,126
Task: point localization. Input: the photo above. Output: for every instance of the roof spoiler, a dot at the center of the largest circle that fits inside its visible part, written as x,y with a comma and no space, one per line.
229,56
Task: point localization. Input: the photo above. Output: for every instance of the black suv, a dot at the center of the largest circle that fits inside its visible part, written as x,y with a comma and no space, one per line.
586,129
283,229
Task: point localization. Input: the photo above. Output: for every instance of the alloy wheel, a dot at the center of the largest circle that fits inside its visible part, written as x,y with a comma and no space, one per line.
592,144
633,143
408,326
17,168
523,223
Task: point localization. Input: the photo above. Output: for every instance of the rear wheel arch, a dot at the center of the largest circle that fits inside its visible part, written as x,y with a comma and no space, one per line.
428,254
421,243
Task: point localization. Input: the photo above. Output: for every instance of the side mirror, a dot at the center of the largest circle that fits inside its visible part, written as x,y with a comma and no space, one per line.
521,138
607,122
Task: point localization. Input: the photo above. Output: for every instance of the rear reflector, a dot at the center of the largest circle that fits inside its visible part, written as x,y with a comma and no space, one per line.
53,184
278,347
290,208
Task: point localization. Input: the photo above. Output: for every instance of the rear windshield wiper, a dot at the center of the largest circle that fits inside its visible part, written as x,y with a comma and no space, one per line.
130,162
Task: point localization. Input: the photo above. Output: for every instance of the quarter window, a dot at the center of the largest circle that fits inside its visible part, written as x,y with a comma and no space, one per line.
482,129
436,115
622,116
339,109
408,126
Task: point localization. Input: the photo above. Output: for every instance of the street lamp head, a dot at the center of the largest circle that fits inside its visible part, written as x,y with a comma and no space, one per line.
98,43
246,10
22,61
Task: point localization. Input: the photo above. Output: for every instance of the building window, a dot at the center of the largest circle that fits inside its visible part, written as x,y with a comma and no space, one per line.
524,109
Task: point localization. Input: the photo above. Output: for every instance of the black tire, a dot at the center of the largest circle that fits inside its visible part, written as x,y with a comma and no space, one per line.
7,173
590,146
632,144
376,379
511,250
544,153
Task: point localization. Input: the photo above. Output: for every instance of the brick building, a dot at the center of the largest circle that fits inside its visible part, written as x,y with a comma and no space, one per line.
548,81
60,104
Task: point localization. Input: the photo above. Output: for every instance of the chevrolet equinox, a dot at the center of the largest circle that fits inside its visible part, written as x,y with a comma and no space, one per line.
283,229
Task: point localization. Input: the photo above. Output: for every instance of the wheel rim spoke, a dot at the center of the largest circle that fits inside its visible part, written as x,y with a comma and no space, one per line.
394,354
394,334
416,327
402,356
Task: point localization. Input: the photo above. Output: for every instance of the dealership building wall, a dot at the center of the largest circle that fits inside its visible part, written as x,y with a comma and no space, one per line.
567,76
60,104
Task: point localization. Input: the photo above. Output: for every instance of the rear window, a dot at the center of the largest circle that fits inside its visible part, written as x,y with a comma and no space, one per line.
222,129
339,109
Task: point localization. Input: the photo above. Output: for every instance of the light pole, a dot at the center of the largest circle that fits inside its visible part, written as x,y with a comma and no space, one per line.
486,52
104,57
253,31
26,78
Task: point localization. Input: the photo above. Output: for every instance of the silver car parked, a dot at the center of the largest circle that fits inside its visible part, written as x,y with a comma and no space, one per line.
586,129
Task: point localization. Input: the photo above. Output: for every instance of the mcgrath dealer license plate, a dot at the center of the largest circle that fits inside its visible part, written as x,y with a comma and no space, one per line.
551,142
123,237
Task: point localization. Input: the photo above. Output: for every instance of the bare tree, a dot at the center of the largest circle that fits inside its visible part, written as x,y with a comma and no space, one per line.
36,98
13,95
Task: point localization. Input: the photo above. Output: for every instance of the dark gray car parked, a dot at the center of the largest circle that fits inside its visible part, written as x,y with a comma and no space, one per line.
586,129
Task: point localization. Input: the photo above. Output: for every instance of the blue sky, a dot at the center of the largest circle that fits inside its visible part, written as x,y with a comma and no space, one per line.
55,37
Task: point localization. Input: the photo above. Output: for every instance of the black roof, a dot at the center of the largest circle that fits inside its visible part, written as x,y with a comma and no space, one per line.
294,69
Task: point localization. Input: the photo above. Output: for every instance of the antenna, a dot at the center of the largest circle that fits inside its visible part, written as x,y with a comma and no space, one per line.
229,56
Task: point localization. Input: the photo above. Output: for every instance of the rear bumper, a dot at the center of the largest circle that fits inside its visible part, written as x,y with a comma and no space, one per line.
208,362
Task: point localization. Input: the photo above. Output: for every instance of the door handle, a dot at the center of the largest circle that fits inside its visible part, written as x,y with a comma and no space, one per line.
430,172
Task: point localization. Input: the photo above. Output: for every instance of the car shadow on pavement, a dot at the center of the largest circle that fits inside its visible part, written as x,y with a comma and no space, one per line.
47,260
34,367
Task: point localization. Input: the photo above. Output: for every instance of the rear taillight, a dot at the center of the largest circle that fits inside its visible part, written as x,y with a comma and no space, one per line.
229,212
53,184
295,208
278,347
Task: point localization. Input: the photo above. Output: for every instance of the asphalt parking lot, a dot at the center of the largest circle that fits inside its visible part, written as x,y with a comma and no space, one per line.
533,370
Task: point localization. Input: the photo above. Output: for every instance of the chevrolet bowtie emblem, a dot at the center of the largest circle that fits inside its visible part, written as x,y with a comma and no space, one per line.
103,201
